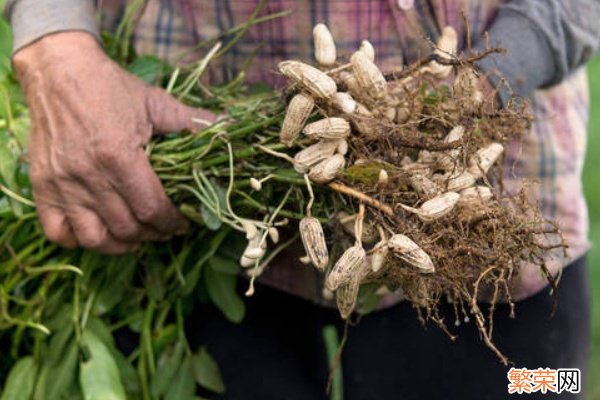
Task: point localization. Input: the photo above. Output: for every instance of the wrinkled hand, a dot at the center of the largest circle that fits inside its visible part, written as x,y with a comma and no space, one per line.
92,182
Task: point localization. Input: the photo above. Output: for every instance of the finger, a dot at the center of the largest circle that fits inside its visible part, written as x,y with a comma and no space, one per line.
167,114
56,226
142,191
92,234
118,217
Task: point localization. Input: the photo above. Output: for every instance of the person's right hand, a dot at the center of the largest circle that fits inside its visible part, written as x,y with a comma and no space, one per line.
92,181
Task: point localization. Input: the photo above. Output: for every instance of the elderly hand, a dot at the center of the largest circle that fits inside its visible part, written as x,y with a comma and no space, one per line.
92,182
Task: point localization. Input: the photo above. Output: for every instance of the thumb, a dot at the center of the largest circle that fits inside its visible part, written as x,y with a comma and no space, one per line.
167,114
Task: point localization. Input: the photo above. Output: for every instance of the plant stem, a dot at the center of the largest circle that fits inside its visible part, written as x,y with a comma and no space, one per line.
341,188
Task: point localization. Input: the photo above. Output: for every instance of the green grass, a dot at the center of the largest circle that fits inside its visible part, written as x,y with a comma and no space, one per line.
591,180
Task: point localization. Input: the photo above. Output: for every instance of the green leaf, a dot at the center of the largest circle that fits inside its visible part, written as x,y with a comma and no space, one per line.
154,280
42,383
207,250
129,375
236,243
21,380
168,365
147,68
136,320
164,337
99,375
224,265
58,344
183,387
5,47
222,291
20,126
207,372
61,377
8,162
211,220
101,331
120,271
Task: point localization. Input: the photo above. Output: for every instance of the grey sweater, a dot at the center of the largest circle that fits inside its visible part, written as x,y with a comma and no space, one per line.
545,39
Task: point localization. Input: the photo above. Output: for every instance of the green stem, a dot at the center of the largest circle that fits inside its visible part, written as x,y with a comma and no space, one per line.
16,196
147,337
52,268
332,344
146,358
75,317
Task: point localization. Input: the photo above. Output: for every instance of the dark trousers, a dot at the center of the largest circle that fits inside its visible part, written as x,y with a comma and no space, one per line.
278,351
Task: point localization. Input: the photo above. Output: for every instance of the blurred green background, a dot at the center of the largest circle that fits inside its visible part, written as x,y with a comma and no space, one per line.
591,179
591,182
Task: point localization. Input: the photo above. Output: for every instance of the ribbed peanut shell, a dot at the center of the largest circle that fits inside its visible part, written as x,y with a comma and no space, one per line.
417,169
455,135
346,267
402,114
328,128
424,186
447,43
325,52
344,102
364,123
342,147
427,157
389,113
314,154
408,251
351,83
461,181
468,87
346,297
447,46
475,196
470,215
446,162
328,169
438,207
481,162
296,116
313,239
314,81
367,74
365,274
367,48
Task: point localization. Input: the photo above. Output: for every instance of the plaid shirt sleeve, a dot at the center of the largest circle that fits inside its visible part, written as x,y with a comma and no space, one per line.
33,19
545,42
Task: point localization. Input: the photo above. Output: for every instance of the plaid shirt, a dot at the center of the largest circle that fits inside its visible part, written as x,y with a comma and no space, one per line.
551,154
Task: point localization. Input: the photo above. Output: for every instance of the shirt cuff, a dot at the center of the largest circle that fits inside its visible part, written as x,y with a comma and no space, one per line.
528,63
33,19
